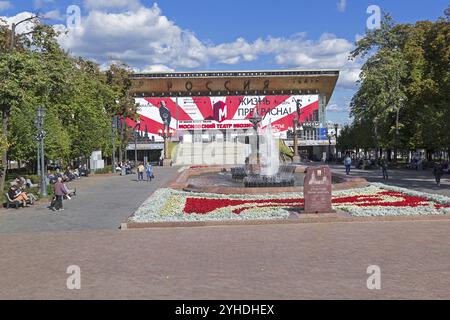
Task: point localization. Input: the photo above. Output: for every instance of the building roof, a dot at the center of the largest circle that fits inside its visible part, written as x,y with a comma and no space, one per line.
244,82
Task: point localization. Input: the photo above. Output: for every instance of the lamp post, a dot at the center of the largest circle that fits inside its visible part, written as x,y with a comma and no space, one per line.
136,132
114,125
166,117
329,146
113,139
296,157
39,122
336,127
255,120
397,109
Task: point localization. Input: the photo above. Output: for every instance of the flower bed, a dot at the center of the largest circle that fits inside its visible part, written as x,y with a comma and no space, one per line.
374,200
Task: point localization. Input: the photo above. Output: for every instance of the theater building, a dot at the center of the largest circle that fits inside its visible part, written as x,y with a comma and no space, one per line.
220,104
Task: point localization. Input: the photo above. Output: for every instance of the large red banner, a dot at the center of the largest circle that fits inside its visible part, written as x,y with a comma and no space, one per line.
227,112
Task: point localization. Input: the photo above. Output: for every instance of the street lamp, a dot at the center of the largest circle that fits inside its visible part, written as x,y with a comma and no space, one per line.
136,132
329,146
336,127
397,109
166,118
113,140
12,42
255,120
39,122
296,157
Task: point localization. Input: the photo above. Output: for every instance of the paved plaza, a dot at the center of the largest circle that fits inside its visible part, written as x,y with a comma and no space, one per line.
422,180
295,261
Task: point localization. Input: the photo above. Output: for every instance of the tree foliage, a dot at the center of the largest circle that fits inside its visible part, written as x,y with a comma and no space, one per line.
407,70
79,98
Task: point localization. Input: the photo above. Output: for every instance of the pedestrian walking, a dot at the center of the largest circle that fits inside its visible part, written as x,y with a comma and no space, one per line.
419,165
140,170
384,167
149,171
437,171
347,163
60,191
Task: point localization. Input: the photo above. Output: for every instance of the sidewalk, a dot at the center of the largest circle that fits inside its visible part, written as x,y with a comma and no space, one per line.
412,179
102,202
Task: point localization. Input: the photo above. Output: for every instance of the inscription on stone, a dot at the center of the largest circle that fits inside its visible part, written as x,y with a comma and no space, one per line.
317,190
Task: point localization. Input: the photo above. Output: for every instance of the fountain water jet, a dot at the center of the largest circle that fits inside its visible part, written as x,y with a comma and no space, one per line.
269,153
267,171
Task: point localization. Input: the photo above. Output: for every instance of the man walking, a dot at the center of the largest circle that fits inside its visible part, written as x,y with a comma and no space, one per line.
437,171
347,163
383,165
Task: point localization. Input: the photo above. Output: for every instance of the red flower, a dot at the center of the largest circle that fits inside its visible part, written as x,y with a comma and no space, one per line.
206,206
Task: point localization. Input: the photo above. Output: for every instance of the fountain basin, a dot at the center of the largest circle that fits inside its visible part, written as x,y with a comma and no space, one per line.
212,180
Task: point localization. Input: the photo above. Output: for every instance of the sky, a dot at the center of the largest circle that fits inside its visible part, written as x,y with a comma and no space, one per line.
194,35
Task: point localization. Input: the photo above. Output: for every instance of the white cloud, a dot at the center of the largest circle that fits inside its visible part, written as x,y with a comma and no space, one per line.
5,5
342,5
147,40
23,27
156,68
109,4
54,15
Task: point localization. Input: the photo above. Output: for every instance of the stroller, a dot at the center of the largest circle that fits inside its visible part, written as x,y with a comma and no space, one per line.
65,197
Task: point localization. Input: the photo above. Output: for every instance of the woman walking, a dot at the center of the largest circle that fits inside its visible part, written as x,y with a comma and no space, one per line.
149,171
60,191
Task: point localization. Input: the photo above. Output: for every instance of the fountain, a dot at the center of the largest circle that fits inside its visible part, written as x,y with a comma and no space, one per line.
266,172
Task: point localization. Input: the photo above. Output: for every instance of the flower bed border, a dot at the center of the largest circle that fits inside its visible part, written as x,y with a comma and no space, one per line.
339,216
316,218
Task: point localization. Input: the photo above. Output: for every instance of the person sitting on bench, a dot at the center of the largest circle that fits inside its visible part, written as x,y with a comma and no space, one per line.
16,194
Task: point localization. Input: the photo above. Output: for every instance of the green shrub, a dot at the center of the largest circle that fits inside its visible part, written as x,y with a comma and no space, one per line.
106,169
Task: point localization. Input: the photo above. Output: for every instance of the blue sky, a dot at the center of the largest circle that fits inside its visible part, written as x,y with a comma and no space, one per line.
225,35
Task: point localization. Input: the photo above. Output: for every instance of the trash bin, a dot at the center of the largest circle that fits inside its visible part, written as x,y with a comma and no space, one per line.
124,171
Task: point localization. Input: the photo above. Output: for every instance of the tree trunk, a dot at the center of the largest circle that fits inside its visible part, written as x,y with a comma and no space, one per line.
389,156
429,155
4,169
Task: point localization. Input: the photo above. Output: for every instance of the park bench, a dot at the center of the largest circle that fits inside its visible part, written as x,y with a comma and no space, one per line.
10,202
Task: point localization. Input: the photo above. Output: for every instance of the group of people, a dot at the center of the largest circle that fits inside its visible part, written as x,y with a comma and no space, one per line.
141,168
17,192
124,168
439,168
416,163
68,175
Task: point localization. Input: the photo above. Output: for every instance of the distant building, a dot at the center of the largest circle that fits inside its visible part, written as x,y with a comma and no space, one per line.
217,102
